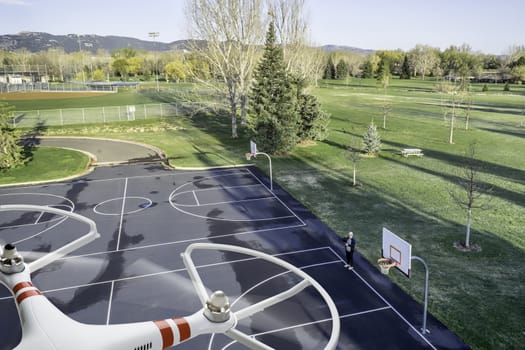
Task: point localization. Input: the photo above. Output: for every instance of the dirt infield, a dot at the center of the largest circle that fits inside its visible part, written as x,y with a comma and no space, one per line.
48,95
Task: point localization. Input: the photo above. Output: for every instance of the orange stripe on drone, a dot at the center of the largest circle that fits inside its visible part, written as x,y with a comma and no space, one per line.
166,332
184,328
25,295
22,285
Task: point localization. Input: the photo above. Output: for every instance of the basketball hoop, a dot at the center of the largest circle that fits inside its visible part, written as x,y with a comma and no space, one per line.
386,264
248,156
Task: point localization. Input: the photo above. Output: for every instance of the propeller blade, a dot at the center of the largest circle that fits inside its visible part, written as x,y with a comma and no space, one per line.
260,306
200,289
247,340
64,250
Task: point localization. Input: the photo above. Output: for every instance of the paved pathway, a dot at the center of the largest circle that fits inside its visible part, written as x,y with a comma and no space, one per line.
105,151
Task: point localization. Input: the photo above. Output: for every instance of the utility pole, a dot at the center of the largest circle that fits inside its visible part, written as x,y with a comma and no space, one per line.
155,35
82,60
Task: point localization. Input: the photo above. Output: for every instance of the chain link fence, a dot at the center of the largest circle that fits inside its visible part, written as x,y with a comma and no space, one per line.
109,114
68,116
59,87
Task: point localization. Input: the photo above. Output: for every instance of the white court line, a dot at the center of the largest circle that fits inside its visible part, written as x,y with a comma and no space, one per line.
180,242
221,187
71,207
386,302
182,269
110,301
182,172
224,202
321,321
60,220
178,174
176,206
303,325
196,199
279,199
122,213
273,218
177,191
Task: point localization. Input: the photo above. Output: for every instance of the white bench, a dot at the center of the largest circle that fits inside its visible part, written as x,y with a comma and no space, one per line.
411,152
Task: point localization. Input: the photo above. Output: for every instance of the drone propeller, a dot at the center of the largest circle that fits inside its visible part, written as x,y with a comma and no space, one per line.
234,333
64,250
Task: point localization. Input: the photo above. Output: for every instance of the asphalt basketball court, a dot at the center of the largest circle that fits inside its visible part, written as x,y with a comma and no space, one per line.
148,215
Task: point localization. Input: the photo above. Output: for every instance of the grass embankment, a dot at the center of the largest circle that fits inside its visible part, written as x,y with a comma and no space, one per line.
47,163
479,295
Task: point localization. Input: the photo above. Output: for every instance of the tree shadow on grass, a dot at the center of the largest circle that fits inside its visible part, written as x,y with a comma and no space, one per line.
30,140
517,133
497,191
513,174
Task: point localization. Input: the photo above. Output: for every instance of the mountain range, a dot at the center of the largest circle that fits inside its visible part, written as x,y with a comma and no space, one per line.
37,41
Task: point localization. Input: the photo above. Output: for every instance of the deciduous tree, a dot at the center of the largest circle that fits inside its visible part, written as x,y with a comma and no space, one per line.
424,59
354,155
472,189
226,34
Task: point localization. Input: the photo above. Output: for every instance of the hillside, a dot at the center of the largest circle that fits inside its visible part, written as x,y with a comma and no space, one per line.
36,41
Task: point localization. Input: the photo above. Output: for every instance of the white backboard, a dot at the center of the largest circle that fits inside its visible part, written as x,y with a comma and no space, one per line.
253,148
397,249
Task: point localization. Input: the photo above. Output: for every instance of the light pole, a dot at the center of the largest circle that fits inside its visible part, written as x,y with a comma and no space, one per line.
155,35
82,60
249,156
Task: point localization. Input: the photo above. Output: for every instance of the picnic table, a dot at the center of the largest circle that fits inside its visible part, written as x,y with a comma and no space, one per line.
411,152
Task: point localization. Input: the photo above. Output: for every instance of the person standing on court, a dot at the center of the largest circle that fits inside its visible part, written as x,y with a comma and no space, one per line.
349,248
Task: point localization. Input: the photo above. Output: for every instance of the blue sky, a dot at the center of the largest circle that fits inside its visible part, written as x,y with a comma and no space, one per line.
486,25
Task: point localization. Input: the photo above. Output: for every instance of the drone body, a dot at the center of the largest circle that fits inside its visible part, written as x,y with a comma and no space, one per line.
45,327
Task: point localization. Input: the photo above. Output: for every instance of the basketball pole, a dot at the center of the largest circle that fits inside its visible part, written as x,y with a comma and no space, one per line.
424,329
252,155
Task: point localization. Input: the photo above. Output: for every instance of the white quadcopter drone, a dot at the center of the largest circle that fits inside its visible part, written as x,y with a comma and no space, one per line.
45,327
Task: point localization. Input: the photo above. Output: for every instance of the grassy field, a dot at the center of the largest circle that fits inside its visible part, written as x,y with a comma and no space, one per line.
479,295
47,163
25,101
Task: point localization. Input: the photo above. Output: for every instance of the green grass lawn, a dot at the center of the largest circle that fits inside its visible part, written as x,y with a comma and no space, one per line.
47,163
479,295
27,101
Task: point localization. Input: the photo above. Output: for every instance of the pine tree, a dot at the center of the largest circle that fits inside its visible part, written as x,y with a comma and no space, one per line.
405,69
10,153
383,73
274,120
371,140
313,120
367,70
341,70
329,69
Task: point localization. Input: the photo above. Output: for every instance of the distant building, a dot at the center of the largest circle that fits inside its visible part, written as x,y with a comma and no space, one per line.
23,74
